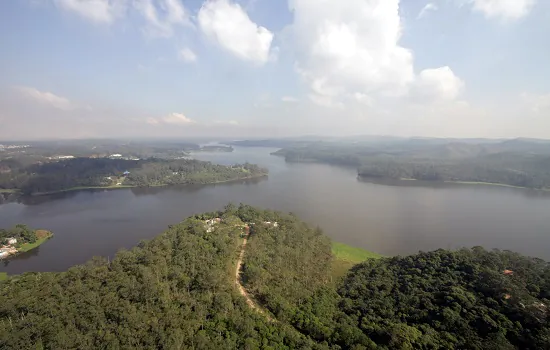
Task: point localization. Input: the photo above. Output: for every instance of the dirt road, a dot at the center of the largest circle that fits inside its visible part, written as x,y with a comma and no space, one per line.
243,291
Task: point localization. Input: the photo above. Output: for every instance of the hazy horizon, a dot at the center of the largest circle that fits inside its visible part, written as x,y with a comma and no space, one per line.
245,69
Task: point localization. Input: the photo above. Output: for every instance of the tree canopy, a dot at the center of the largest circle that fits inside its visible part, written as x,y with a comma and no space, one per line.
178,291
105,172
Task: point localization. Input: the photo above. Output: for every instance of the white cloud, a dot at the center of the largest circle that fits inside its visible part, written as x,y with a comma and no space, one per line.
503,9
536,103
187,55
429,7
229,25
48,98
152,121
349,47
290,99
162,17
100,11
177,118
438,84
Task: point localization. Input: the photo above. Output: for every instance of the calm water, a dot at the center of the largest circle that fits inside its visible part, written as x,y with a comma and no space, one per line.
390,218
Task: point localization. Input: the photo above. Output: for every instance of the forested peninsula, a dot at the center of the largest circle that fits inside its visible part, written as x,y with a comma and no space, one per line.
19,239
519,163
179,291
85,173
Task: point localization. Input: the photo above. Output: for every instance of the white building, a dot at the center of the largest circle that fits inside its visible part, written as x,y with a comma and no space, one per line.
12,241
116,155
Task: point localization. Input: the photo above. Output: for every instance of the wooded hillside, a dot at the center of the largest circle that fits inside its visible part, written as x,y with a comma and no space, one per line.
178,291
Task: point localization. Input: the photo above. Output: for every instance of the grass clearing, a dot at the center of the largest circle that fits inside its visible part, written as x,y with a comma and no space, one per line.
345,257
3,276
8,190
43,236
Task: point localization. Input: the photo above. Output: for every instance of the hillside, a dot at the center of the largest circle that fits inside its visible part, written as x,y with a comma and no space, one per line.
521,163
179,291
82,173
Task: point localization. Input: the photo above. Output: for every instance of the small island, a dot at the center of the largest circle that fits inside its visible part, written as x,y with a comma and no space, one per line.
20,239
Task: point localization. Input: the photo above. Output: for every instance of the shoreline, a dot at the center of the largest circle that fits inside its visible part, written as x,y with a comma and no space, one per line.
83,188
546,189
472,183
27,247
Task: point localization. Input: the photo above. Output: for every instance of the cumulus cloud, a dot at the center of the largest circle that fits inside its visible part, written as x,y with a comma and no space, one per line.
228,24
99,11
438,84
162,16
536,103
503,9
349,47
47,98
152,121
187,55
426,9
177,118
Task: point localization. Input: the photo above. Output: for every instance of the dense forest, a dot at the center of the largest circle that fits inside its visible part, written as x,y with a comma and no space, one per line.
105,172
523,163
178,291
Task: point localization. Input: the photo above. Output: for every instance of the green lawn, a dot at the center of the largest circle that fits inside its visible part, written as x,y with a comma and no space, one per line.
345,257
8,190
28,246
3,276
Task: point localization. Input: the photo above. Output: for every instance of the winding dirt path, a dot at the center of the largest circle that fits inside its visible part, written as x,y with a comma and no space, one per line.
243,291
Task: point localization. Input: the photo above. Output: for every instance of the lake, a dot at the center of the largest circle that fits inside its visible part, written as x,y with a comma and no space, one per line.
389,218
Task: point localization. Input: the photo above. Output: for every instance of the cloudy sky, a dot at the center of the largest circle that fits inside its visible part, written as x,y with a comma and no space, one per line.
246,68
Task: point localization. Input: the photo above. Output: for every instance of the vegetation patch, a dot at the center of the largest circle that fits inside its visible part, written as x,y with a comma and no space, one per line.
104,173
345,257
178,291
3,276
46,235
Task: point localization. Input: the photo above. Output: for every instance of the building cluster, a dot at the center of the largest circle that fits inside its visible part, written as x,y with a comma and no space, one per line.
4,147
211,223
60,157
120,156
9,248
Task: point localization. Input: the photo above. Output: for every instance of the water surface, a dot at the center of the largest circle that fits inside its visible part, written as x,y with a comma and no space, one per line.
389,218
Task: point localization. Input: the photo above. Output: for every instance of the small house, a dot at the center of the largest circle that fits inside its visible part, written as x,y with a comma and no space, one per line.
126,173
508,272
12,241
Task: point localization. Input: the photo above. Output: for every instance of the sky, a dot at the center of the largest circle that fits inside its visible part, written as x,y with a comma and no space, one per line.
265,68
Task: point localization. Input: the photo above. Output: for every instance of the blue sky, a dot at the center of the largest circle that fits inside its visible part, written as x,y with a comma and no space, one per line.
150,68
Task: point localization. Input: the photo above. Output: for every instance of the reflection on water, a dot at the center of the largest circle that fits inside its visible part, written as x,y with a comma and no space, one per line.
23,256
388,217
456,185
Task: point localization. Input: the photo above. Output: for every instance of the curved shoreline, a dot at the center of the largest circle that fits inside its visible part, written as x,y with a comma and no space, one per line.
84,188
473,183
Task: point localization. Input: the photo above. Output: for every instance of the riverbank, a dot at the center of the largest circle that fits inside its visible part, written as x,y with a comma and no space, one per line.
497,184
474,183
346,256
42,237
115,187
